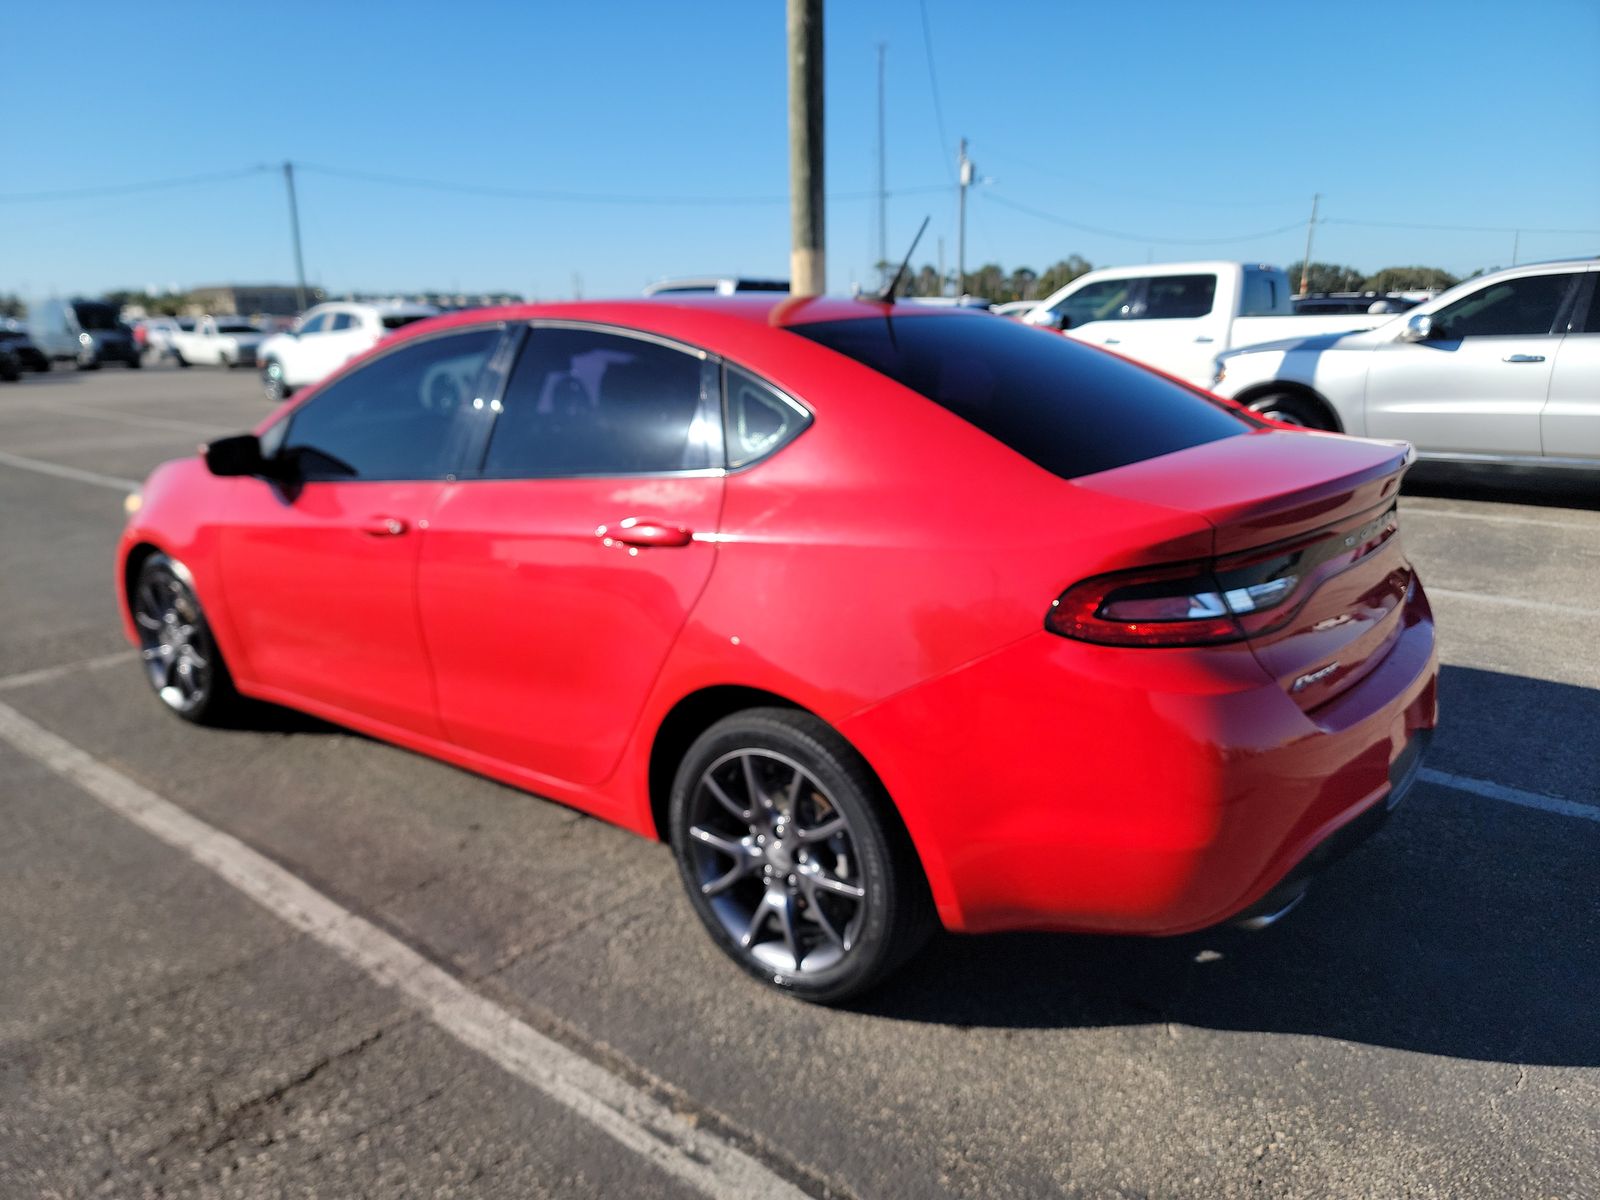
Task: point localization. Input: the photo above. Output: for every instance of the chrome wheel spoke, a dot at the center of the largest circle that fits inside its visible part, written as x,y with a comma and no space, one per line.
717,841
837,887
146,621
821,833
727,801
788,913
758,800
196,659
151,653
820,914
757,920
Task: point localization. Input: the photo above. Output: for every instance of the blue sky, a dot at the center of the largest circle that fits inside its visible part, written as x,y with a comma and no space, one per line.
1179,121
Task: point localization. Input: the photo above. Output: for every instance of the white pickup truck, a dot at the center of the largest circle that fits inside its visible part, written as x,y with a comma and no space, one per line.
216,341
1180,316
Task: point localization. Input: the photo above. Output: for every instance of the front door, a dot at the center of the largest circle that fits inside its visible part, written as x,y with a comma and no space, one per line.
553,586
321,572
1478,384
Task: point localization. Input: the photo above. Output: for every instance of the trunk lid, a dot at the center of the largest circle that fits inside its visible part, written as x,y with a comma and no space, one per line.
1317,509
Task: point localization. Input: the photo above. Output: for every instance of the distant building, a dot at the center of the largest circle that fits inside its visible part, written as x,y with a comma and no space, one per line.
251,299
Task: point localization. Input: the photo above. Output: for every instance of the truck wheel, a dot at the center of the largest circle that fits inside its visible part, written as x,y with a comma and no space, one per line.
1290,408
182,361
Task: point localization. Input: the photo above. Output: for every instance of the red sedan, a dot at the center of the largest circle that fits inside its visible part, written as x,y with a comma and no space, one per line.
882,616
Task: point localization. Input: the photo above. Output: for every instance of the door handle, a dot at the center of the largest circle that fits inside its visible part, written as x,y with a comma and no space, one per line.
1205,337
1523,358
1113,342
383,527
641,531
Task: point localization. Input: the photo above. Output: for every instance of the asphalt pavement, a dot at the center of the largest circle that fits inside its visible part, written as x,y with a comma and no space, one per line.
249,962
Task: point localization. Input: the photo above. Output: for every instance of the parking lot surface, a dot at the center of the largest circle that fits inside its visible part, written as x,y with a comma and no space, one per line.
177,1019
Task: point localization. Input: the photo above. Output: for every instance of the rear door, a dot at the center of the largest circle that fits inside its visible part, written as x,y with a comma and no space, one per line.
1569,427
1176,323
321,574
1479,384
553,585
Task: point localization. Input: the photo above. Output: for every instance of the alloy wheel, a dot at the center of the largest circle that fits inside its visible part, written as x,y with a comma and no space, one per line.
775,860
172,639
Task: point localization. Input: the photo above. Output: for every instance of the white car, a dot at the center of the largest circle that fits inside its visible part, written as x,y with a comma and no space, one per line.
1504,368
1180,316
327,337
216,342
154,334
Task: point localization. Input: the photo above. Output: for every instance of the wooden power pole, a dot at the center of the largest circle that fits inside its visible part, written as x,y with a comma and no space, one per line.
1305,262
808,246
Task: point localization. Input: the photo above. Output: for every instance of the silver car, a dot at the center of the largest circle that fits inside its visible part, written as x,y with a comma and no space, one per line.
1504,368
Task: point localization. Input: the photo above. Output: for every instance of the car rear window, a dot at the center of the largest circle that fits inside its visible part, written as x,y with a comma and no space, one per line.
397,320
1072,409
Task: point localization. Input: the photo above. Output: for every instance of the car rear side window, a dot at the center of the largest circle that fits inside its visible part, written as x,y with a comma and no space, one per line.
588,402
761,420
1070,408
393,417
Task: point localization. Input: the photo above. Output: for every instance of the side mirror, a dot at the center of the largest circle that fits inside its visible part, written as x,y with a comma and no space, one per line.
1418,328
237,455
1064,322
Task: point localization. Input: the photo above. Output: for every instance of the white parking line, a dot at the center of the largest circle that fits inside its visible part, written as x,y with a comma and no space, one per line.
127,418
51,674
1571,610
1411,510
1510,795
61,472
632,1117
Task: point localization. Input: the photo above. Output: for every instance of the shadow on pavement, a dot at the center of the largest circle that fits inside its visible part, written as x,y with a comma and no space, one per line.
1502,485
1466,928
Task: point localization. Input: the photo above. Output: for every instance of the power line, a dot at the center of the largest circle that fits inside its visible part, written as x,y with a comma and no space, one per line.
933,83
123,189
1189,200
1138,237
1452,228
511,193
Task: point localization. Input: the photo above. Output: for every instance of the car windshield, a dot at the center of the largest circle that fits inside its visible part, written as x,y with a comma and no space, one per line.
1072,409
396,320
97,317
236,327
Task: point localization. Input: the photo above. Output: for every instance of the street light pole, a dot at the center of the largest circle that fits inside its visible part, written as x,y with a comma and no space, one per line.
294,229
964,165
1305,263
807,249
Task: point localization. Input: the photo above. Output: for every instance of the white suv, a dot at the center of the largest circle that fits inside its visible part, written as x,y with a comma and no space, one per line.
327,337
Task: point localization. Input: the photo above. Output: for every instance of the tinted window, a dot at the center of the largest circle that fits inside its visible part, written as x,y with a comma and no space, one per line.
1262,293
760,420
1108,300
101,318
1169,296
392,418
1509,308
236,327
315,324
1070,408
583,402
396,320
341,321
1591,324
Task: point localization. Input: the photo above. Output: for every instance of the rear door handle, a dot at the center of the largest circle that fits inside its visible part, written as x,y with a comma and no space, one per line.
1205,337
1113,342
643,531
1523,358
383,527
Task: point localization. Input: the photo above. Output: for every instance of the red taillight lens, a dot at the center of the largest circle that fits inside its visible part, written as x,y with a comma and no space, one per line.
1191,604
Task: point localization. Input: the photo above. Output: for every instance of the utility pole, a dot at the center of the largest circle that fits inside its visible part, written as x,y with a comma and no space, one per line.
294,228
964,166
808,245
883,186
1305,263
1516,242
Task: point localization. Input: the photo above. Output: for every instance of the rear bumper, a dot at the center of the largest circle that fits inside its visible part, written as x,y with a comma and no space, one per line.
1062,786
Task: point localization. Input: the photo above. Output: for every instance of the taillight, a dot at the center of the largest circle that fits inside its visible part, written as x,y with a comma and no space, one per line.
1191,604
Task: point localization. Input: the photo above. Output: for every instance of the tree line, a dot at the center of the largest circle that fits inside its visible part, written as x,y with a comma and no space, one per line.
993,282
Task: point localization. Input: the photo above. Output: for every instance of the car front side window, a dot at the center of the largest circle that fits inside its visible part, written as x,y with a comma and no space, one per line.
1508,308
393,417
1107,300
314,324
585,402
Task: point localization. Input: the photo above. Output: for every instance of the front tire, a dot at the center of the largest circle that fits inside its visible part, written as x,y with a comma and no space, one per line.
792,857
273,383
181,660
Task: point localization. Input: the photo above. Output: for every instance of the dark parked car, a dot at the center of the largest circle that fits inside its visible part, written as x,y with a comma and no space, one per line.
20,346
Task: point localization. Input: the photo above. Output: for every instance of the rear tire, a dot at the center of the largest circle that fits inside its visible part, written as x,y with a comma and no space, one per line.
1291,408
181,360
273,383
182,663
792,857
